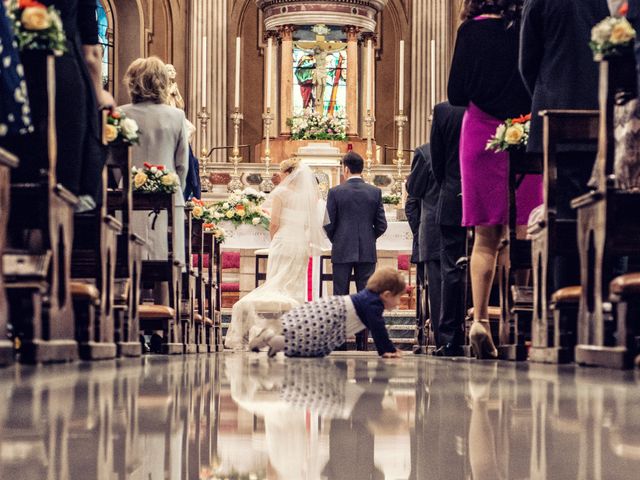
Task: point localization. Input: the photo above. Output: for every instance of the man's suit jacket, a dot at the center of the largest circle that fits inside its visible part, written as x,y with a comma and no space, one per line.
445,161
422,184
356,220
556,62
412,209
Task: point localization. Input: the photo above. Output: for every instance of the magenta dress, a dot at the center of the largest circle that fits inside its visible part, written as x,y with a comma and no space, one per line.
485,176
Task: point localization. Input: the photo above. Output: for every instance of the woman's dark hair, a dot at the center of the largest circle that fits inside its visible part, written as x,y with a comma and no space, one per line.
511,10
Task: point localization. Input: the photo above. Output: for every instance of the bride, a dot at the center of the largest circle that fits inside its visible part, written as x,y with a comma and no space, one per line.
296,234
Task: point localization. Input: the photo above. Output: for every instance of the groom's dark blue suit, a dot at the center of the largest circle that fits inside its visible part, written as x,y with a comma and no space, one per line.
357,219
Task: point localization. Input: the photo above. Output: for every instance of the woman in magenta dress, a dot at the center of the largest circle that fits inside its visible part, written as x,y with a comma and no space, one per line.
485,79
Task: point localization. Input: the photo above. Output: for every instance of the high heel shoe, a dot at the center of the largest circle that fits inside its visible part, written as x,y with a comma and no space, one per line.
481,341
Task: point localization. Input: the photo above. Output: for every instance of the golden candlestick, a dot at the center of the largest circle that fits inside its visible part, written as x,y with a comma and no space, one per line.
401,120
369,121
235,183
267,185
204,117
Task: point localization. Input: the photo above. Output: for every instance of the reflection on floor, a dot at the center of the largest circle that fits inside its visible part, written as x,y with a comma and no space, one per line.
243,416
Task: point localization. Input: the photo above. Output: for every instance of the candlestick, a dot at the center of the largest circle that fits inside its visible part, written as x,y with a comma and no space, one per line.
267,183
204,117
401,80
204,72
369,72
236,100
433,74
268,72
235,183
401,120
369,121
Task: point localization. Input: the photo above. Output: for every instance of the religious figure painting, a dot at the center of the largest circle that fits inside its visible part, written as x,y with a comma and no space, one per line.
320,74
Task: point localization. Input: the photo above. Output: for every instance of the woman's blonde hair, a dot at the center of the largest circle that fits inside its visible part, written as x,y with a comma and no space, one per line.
387,279
289,165
147,80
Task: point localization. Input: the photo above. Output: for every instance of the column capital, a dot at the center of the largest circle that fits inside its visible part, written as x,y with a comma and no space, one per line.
286,32
352,32
365,36
270,33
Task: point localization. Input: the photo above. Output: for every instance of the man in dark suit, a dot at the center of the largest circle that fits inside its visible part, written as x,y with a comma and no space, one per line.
422,184
445,161
412,209
356,220
557,66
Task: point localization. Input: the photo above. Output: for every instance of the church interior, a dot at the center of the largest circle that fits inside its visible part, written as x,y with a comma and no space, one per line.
143,144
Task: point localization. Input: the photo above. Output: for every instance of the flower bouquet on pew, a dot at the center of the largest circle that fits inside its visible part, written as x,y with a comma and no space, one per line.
218,231
154,179
612,37
511,135
37,27
120,129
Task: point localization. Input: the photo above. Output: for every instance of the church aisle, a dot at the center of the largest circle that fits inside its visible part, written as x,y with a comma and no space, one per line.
349,416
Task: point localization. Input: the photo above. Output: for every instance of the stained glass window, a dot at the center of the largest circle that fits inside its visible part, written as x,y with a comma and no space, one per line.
306,73
105,37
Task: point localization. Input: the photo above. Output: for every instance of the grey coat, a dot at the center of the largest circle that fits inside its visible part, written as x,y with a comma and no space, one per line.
163,141
357,219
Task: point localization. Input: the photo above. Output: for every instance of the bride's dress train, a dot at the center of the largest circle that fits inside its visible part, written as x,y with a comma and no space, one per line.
299,234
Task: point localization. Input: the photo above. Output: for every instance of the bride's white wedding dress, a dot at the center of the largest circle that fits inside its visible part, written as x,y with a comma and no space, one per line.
294,205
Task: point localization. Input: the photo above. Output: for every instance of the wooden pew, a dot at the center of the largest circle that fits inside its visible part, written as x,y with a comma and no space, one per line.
94,261
552,237
202,321
130,247
515,313
7,162
38,259
608,226
213,293
188,294
169,271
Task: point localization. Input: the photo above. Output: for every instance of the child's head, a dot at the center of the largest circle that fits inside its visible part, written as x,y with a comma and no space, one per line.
389,284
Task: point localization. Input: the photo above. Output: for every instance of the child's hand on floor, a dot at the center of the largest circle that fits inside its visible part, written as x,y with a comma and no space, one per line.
396,354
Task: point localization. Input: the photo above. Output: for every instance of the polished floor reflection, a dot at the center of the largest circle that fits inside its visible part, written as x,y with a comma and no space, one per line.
243,416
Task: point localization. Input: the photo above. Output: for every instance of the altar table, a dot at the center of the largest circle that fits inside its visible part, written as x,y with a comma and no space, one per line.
248,238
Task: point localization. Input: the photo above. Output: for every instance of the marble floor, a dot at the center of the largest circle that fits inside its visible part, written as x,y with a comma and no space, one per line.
350,417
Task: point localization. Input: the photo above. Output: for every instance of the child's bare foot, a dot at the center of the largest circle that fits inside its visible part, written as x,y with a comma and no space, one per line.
396,354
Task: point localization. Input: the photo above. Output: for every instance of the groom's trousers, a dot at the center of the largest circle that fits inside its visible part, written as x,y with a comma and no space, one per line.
341,282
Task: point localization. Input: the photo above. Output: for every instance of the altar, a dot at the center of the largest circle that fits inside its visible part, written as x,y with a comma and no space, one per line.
246,239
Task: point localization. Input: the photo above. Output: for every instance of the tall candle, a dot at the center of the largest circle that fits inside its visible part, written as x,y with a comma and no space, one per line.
433,73
236,100
268,72
204,71
401,80
369,72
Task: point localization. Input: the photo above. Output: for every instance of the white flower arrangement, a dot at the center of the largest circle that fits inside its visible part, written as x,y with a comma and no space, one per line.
119,128
513,134
37,27
241,207
311,125
612,37
154,179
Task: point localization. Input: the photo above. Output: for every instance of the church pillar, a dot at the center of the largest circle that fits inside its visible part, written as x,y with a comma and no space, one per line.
352,106
286,77
207,66
431,52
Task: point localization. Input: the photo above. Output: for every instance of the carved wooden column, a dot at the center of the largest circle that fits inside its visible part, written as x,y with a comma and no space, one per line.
352,106
286,76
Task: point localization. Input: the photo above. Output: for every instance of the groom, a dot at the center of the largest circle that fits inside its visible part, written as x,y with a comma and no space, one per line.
356,220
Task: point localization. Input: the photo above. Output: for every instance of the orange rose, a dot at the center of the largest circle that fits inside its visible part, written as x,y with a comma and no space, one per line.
35,18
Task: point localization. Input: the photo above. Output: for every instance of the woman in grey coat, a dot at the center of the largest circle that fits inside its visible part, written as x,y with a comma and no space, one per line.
163,141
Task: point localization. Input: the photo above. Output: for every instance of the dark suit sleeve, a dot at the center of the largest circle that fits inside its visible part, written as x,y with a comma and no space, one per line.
332,211
419,176
87,22
380,223
438,147
531,43
412,210
457,90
